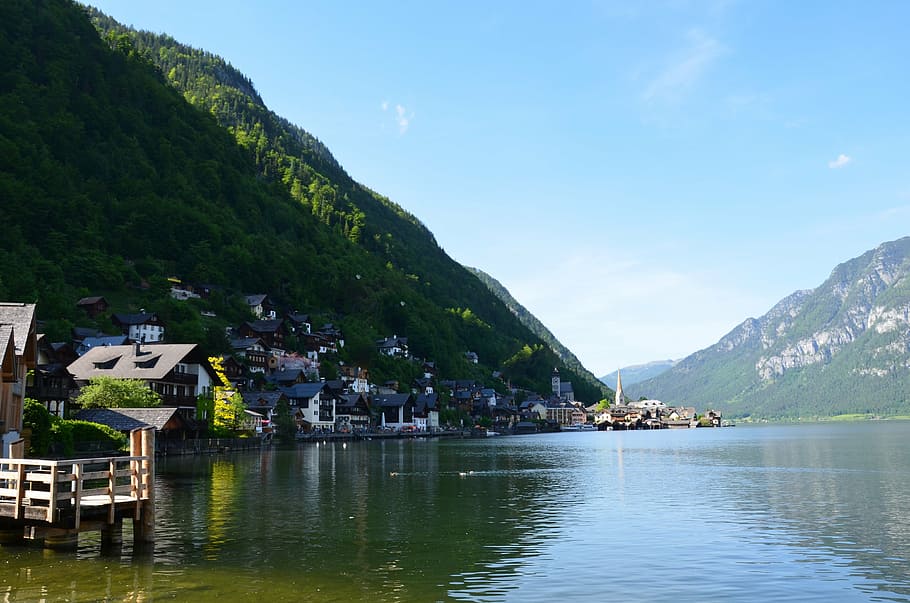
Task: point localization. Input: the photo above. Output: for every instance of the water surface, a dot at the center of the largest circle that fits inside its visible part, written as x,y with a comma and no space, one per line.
772,513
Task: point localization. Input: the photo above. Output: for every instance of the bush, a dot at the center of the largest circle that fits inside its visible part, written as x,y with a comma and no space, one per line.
36,417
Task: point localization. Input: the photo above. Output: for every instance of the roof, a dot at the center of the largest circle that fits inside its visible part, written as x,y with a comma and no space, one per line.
108,340
127,419
88,301
6,337
427,402
255,300
154,361
393,400
142,318
245,343
261,399
265,326
22,319
303,390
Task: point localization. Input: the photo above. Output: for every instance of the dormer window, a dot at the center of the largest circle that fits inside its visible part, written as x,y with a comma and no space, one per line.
107,364
147,364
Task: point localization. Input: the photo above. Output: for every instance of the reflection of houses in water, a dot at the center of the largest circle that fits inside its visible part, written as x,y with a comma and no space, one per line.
649,414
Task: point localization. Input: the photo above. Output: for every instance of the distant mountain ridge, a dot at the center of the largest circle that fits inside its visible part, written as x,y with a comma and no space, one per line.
841,348
637,373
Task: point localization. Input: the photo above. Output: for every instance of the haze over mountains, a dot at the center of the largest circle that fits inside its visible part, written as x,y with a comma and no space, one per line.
841,348
639,372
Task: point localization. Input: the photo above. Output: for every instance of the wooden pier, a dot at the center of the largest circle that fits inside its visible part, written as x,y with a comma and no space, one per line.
56,500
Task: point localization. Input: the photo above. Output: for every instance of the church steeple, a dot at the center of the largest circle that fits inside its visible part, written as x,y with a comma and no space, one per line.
555,382
620,399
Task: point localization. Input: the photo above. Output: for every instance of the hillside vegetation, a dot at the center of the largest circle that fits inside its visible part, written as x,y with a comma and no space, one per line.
128,159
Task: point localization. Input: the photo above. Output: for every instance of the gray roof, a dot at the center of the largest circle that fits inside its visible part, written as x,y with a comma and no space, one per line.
245,343
303,390
393,400
154,362
6,334
127,419
255,300
136,319
265,326
22,319
261,399
94,342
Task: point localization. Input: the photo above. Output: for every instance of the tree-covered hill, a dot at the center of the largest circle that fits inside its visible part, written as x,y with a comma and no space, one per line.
841,348
113,178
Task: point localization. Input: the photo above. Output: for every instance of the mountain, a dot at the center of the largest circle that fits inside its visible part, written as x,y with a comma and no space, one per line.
841,348
129,160
639,372
538,328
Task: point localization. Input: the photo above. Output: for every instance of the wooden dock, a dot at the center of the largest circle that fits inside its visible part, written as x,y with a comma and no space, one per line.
56,500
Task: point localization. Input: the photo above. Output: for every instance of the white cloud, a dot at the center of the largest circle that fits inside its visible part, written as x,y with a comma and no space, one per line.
403,119
685,68
840,162
402,116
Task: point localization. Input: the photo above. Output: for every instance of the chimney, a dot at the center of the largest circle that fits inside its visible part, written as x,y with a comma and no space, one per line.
138,348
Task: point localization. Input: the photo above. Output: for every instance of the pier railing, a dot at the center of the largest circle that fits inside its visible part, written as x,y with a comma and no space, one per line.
66,491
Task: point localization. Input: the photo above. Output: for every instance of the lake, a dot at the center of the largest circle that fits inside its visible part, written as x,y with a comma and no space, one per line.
752,513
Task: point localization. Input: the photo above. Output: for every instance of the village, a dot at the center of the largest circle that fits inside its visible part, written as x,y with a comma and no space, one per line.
270,378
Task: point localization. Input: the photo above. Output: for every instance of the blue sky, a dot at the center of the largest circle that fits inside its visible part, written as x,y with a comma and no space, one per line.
642,176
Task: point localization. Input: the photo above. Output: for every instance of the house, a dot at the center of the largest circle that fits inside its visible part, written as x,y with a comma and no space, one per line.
171,424
313,406
264,403
260,305
471,357
299,323
181,293
426,412
251,422
397,410
423,385
253,351
287,377
355,379
18,356
93,306
271,332
145,327
234,371
178,372
353,411
533,409
429,370
50,383
394,346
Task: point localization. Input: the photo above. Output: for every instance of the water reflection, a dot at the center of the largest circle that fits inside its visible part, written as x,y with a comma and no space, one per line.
781,513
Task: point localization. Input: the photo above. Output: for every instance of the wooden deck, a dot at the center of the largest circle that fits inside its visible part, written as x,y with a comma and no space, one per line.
39,497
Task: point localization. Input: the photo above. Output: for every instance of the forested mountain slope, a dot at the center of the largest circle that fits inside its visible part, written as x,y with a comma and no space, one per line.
841,348
112,181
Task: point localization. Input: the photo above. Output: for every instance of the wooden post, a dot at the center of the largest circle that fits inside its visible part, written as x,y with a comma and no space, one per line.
112,538
136,471
17,449
144,529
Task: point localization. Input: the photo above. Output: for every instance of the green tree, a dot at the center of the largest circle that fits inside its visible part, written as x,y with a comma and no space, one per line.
111,392
229,404
283,421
